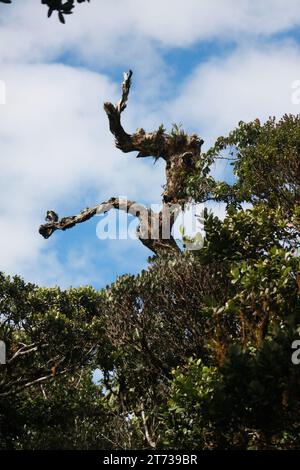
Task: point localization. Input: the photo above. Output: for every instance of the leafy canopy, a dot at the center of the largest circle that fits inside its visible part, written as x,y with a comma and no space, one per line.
194,352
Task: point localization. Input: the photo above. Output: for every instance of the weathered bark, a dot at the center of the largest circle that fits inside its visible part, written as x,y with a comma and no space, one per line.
154,229
181,154
180,151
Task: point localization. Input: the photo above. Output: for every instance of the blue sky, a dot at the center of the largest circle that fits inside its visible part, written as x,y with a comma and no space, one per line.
204,63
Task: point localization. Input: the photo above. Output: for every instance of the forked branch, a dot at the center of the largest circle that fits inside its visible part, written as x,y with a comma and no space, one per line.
154,229
146,144
181,153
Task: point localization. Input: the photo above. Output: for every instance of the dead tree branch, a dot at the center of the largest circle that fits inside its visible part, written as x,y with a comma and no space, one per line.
153,230
181,153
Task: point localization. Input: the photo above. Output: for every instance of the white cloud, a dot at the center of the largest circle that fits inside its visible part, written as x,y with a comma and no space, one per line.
56,150
103,29
249,84
56,147
181,24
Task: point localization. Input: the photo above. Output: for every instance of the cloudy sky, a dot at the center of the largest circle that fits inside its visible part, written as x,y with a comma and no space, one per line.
204,63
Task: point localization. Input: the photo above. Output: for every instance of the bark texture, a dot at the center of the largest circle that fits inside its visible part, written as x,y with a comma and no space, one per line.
181,153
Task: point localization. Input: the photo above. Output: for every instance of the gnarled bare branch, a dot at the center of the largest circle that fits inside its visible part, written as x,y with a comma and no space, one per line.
146,144
180,151
125,91
154,229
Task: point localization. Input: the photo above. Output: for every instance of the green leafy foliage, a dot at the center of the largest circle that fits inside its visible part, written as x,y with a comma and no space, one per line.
196,351
265,161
